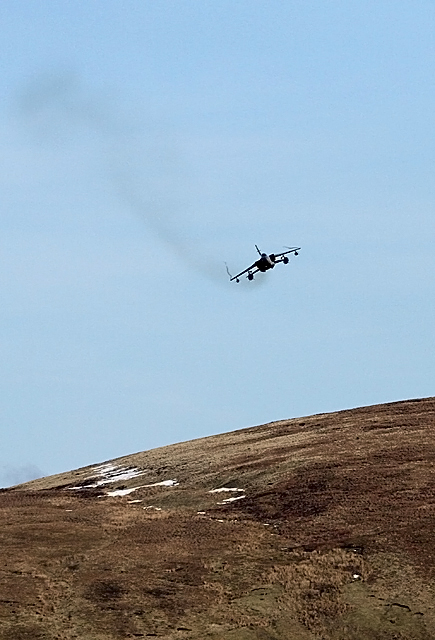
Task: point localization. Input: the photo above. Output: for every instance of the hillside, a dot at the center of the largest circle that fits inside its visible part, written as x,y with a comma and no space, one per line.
311,528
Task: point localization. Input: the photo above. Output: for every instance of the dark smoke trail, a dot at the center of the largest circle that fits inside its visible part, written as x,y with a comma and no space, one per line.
56,104
10,475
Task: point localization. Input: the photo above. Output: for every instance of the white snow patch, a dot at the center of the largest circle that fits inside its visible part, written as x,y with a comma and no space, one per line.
133,501
231,499
225,489
121,492
104,469
110,473
119,476
152,507
164,483
356,576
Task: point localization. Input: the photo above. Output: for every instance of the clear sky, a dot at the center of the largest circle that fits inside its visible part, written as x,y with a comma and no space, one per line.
146,142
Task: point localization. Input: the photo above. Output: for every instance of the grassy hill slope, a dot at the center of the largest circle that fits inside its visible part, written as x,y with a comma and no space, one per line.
312,528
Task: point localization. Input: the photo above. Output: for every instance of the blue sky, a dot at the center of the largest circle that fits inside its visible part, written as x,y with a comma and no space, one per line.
145,143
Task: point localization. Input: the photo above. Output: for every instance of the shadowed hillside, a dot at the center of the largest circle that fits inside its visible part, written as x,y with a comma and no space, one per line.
312,528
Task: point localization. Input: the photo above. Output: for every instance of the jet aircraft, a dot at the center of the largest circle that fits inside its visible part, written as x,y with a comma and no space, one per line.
265,262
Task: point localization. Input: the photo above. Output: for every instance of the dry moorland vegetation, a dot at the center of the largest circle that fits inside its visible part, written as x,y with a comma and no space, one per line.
327,533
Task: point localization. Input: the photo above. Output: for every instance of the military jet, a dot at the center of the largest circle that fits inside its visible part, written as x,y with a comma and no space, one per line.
265,262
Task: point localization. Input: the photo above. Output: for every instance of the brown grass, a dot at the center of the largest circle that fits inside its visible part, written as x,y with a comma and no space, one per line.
334,539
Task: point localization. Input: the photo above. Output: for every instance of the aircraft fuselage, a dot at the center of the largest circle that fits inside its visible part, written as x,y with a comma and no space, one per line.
265,262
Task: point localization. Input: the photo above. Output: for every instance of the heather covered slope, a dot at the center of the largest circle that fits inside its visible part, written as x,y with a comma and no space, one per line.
323,528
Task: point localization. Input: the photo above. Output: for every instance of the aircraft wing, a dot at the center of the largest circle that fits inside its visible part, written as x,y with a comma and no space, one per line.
284,253
245,271
280,256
